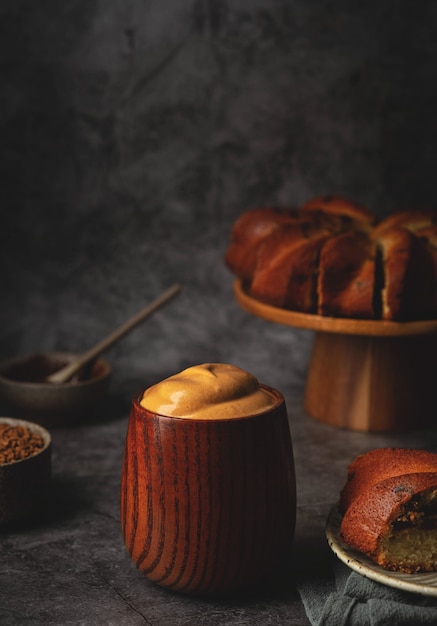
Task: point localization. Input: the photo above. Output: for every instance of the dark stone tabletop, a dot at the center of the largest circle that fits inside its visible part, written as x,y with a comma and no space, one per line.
72,568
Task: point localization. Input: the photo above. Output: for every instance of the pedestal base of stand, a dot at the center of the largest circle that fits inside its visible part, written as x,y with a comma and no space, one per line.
373,383
369,375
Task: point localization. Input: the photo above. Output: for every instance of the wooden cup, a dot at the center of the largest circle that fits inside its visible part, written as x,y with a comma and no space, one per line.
208,506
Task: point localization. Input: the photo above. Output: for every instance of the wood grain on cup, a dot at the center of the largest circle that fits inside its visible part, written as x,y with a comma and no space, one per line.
207,506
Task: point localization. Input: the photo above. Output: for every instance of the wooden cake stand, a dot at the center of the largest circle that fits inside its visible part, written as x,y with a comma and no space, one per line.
365,375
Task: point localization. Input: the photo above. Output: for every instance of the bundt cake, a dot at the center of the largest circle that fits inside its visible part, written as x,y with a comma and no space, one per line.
389,508
330,257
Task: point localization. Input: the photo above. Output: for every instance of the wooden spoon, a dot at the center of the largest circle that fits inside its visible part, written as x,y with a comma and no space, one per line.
65,373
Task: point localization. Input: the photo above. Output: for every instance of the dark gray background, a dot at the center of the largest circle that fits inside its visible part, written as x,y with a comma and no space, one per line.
134,133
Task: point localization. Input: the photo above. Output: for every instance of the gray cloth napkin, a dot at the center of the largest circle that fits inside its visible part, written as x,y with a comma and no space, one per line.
349,599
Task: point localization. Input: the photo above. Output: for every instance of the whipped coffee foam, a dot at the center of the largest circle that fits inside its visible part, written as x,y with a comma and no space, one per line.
208,391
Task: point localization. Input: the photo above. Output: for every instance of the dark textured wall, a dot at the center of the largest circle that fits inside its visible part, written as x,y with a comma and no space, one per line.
133,133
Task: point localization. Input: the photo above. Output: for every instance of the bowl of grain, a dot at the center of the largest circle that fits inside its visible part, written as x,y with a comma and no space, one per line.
25,471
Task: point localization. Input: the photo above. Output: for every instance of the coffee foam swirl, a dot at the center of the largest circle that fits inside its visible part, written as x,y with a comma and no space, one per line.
208,391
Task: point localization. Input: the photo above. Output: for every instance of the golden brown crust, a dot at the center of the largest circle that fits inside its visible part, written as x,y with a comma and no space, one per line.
380,464
411,220
340,205
367,520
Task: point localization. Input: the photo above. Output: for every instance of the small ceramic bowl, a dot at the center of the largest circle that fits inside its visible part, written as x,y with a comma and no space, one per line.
26,394
25,476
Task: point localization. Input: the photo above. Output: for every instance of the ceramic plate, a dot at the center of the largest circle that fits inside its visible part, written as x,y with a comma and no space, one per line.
425,584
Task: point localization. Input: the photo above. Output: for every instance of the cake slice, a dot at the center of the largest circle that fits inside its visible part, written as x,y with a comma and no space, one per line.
346,277
407,276
394,522
285,272
247,234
